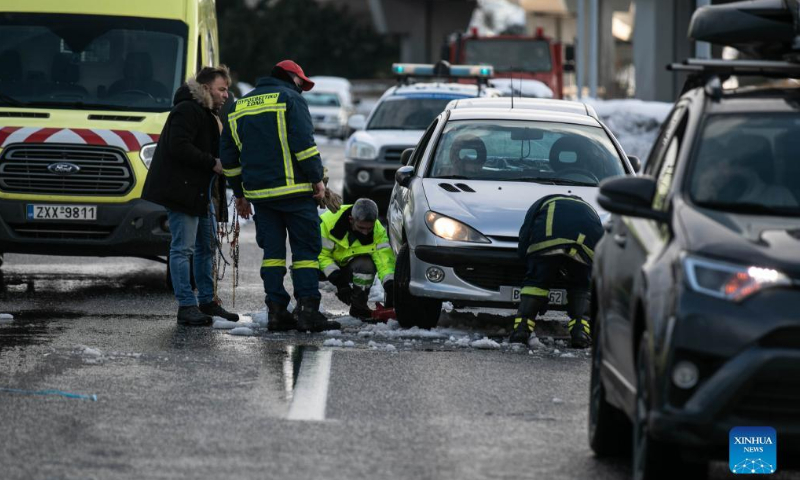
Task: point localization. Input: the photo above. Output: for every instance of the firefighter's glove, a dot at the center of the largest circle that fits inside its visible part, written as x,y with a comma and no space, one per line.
388,287
330,200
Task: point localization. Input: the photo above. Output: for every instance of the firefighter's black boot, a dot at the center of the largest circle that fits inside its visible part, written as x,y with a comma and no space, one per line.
309,318
579,327
358,304
193,317
524,322
215,310
280,319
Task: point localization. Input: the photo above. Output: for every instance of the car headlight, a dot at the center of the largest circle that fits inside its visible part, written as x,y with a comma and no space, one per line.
450,229
362,151
729,281
146,154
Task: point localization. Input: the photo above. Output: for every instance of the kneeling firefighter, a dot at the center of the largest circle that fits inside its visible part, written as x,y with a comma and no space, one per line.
355,248
560,233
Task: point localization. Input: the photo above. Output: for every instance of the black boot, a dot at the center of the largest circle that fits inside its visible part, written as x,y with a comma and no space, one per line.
215,310
280,320
192,316
358,304
309,319
579,328
524,322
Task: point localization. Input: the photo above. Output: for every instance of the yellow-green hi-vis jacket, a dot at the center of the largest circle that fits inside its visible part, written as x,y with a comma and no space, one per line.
338,249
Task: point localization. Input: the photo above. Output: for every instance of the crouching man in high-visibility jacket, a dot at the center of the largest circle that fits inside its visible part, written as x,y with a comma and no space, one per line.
355,248
560,233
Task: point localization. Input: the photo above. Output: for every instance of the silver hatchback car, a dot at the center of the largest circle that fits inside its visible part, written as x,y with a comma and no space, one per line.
461,197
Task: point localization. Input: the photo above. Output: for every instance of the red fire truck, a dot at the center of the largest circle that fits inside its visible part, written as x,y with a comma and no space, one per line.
534,57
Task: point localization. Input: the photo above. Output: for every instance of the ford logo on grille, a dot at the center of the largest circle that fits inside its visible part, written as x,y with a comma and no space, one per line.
64,168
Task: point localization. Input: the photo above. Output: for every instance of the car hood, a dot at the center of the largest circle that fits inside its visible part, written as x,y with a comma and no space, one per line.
327,111
761,240
389,137
496,208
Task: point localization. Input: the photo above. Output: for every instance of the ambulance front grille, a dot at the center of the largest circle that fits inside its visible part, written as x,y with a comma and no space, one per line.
102,170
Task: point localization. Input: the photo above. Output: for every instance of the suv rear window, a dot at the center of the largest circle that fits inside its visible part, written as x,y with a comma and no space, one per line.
748,164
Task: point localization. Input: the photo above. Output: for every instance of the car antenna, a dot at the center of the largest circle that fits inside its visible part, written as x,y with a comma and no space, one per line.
512,87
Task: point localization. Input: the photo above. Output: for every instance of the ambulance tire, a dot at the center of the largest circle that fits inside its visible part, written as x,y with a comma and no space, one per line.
412,311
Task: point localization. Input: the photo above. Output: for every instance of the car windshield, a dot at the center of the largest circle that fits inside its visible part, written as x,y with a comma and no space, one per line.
90,61
509,55
749,164
322,99
513,150
409,112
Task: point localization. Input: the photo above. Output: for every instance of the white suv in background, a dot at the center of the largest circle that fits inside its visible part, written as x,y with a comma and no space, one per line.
331,105
397,122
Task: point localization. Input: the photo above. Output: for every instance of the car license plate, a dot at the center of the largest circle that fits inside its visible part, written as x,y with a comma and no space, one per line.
62,212
556,297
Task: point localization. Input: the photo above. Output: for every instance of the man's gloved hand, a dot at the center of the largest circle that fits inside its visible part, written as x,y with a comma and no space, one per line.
345,294
330,200
388,287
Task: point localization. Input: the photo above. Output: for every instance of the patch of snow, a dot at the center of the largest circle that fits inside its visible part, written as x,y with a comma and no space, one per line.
557,400
332,342
223,324
384,347
521,87
261,318
568,355
333,333
6,318
88,351
534,343
348,321
349,344
447,307
634,122
556,351
377,293
485,343
243,331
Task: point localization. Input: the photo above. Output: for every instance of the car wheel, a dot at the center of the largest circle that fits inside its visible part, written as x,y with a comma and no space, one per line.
652,459
412,311
609,428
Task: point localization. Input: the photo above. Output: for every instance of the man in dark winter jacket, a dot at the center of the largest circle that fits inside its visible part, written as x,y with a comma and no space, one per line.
559,234
183,175
270,159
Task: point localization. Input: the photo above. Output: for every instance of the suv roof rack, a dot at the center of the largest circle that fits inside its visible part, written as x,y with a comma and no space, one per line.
710,73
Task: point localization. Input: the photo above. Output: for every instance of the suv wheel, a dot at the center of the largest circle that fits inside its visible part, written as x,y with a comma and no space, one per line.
652,459
609,429
412,311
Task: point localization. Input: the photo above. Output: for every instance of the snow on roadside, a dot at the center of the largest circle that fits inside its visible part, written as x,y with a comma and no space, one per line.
241,331
635,123
6,318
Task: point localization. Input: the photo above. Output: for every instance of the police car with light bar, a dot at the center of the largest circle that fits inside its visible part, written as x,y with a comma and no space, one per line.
398,120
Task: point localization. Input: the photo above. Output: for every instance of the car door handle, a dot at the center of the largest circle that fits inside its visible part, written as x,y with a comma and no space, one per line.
620,239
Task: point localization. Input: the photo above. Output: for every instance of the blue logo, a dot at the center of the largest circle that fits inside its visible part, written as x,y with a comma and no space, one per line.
63,168
753,450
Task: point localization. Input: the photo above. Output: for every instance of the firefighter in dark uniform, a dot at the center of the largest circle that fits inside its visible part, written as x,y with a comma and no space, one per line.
270,159
560,232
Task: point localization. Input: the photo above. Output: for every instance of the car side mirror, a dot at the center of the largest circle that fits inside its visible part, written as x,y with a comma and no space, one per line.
635,163
405,157
403,175
632,196
357,122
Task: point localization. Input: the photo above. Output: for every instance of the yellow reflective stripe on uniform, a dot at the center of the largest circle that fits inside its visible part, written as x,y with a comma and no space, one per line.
235,133
530,323
558,241
328,244
233,117
278,191
535,291
584,325
547,203
232,172
287,158
307,153
274,262
305,264
363,279
551,211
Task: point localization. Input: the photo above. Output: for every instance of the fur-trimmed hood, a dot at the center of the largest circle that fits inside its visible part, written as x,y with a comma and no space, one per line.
192,90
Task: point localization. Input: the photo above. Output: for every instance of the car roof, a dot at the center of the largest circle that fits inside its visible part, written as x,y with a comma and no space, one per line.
541,115
756,99
525,104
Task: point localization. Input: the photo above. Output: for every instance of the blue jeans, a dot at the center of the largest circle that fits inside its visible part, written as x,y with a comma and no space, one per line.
191,237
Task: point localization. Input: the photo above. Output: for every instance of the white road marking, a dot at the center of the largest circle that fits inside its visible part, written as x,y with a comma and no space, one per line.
311,389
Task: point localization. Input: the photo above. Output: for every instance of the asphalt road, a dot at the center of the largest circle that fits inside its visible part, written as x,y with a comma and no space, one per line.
178,402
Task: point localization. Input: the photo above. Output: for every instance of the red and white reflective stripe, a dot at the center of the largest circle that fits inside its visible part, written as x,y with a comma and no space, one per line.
127,140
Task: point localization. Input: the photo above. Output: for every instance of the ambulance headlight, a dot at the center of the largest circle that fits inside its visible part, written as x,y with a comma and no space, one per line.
450,229
362,151
146,154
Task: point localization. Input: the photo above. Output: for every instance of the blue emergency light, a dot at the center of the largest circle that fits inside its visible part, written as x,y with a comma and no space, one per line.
442,69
